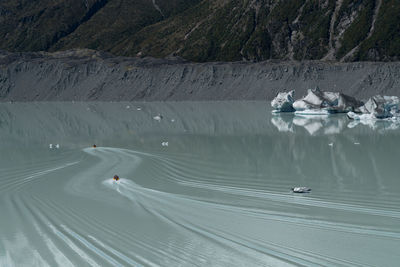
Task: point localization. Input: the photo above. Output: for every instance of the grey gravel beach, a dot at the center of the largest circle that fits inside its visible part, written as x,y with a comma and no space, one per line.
87,75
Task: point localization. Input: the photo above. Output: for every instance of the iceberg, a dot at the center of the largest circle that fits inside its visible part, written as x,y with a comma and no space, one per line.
378,107
313,112
326,102
283,102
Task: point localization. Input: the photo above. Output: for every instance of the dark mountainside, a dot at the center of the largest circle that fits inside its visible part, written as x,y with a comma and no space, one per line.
87,75
175,49
208,30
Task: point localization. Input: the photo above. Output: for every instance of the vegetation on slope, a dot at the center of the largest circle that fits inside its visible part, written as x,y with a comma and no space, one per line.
207,30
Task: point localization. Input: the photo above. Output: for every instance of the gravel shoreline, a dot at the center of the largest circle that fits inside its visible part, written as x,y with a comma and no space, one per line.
87,75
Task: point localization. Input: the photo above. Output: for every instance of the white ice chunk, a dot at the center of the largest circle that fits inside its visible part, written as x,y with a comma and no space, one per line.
158,117
164,143
381,107
283,102
370,120
332,102
312,112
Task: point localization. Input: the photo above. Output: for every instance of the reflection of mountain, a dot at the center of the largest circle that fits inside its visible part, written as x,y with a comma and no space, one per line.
95,121
240,135
358,156
229,152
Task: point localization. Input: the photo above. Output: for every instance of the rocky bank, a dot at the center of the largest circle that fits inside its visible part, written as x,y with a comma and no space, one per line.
87,75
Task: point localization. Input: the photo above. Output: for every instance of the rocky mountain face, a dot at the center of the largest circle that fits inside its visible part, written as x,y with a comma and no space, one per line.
88,75
208,30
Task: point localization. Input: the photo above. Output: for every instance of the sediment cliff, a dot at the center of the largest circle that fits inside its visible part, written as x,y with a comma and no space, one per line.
87,75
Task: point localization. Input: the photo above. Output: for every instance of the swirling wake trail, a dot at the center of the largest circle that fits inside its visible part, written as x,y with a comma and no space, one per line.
192,214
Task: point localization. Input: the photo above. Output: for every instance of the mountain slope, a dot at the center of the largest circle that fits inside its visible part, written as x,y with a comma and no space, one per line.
208,30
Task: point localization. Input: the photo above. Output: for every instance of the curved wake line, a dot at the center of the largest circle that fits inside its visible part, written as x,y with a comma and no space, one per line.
21,181
291,199
166,207
285,198
192,214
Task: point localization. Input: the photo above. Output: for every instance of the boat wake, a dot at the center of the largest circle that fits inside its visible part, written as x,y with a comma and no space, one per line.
169,209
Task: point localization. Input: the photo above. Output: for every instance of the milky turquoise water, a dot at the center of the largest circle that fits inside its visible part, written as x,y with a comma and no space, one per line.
217,195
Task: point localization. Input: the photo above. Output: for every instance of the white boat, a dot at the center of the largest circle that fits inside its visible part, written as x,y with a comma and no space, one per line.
301,189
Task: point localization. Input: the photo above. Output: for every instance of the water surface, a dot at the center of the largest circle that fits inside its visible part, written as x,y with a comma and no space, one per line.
217,195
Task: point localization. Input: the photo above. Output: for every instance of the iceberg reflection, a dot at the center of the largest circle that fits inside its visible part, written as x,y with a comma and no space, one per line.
379,125
283,123
314,124
328,124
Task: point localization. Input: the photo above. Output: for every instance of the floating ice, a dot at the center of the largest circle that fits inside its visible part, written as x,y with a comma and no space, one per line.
331,102
55,146
391,123
394,117
158,117
312,112
164,143
283,102
378,107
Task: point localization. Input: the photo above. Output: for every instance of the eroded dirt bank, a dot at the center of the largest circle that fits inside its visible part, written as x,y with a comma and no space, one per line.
85,75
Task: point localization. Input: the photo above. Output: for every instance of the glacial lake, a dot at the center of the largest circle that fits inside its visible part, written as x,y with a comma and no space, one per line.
207,185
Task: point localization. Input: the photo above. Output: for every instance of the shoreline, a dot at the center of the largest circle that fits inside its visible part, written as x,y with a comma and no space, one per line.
87,75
